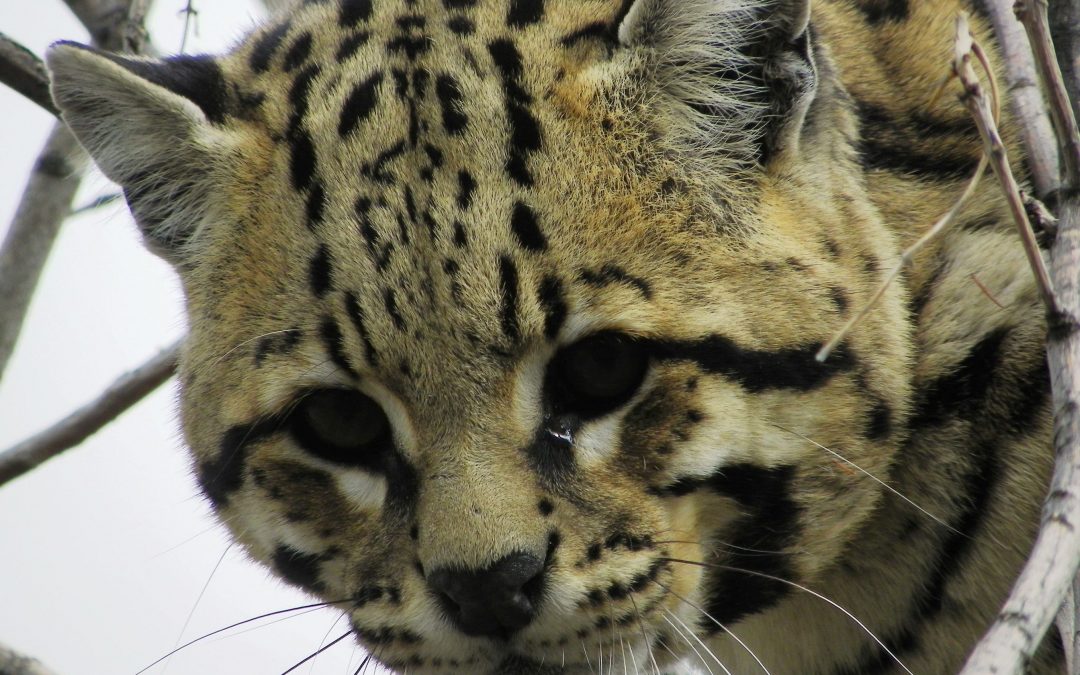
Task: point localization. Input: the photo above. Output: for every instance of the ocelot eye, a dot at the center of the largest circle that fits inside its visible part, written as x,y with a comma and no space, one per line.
342,426
596,375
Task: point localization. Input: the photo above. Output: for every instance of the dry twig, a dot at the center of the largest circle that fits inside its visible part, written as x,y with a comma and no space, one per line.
125,392
24,72
13,663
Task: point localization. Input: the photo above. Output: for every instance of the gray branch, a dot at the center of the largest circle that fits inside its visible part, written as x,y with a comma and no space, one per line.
1046,583
125,392
113,24
13,663
24,72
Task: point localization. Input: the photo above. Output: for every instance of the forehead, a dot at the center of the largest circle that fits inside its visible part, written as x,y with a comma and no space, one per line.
445,179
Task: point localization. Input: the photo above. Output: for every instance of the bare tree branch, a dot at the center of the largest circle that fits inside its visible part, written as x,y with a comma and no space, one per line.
1050,573
45,203
24,72
1025,97
125,392
1033,15
13,663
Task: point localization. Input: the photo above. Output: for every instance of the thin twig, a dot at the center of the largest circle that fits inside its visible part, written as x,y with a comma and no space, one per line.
906,259
24,72
980,109
13,663
125,392
1032,14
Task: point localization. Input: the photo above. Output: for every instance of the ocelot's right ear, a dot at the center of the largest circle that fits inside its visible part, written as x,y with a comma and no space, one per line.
151,125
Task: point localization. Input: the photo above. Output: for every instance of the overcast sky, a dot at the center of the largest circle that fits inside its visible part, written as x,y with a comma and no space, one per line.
104,552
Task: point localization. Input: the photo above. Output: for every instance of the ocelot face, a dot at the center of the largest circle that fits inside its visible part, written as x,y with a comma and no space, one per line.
487,349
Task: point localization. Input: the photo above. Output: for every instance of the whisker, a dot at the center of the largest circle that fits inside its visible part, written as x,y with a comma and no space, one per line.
696,652
645,635
877,480
734,547
722,626
587,659
812,592
249,341
320,650
242,623
198,599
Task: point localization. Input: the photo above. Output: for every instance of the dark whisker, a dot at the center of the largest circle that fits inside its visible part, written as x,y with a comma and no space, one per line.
242,623
320,650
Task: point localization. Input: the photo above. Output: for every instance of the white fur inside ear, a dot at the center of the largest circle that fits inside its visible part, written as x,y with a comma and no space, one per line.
156,144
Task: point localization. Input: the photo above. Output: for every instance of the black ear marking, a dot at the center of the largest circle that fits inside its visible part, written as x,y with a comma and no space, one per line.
199,79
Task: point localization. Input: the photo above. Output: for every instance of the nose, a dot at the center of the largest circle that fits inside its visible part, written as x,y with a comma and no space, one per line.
495,601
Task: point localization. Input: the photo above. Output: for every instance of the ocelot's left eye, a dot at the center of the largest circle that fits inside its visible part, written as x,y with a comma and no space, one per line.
597,374
342,426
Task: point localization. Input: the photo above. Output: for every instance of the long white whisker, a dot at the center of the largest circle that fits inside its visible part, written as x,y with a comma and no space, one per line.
695,649
694,635
722,626
812,592
874,478
645,636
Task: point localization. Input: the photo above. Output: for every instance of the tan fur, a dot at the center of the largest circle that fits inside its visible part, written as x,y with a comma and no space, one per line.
630,173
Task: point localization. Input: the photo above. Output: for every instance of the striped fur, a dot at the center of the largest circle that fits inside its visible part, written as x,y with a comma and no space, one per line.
434,202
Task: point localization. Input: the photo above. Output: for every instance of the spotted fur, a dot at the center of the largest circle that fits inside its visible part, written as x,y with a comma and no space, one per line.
430,201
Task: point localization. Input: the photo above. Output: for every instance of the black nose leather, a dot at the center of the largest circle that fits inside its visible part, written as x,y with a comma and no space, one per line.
496,601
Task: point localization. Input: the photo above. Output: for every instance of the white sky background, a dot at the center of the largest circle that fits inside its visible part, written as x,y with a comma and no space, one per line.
104,551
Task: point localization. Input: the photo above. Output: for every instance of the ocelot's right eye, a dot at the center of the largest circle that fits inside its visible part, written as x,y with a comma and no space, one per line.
341,426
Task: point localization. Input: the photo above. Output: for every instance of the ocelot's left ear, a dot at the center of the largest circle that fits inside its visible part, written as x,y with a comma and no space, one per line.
739,74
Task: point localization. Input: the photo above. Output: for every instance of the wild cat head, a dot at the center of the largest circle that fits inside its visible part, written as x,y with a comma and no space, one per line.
502,315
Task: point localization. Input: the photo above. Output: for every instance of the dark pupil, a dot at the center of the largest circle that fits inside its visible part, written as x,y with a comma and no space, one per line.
600,373
339,425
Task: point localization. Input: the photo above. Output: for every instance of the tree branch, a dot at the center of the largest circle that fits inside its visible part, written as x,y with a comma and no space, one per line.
125,392
1050,573
24,72
1025,97
116,25
13,663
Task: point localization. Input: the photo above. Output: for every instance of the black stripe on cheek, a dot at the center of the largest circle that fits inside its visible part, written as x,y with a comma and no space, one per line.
508,281
466,187
360,103
390,303
961,392
301,160
526,228
613,274
880,11
524,12
356,315
223,475
316,205
554,304
320,272
330,333
758,543
756,371
298,568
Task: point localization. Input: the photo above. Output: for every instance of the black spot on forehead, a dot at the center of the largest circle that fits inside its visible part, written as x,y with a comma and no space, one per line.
551,299
354,11
526,227
320,271
454,118
524,12
360,103
266,46
351,44
298,53
508,280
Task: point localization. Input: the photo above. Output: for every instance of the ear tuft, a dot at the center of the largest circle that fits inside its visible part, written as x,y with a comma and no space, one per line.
739,74
149,126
